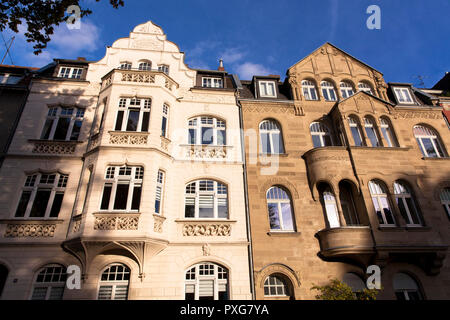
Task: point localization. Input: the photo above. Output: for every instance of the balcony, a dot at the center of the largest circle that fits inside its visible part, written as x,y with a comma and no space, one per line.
128,138
346,243
144,77
53,147
113,221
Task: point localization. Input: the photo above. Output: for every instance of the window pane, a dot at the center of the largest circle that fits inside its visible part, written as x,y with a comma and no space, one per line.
206,206
413,211
265,143
316,141
189,209
429,148
106,197
40,203
372,136
274,217
387,210
286,212
145,121
47,129
135,204
76,130
277,143
378,210
56,206
120,202
387,136
223,207
119,121
207,135
438,147
133,119
164,126
23,203
356,136
401,207
221,138
61,129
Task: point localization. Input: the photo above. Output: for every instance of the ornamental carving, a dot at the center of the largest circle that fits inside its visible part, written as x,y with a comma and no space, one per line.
206,152
418,115
271,109
30,231
128,138
116,222
165,144
158,223
52,147
138,77
207,230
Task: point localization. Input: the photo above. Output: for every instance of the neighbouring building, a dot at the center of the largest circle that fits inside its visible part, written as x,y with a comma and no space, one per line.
345,171
130,168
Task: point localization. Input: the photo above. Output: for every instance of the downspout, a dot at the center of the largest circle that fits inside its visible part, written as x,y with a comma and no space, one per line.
247,210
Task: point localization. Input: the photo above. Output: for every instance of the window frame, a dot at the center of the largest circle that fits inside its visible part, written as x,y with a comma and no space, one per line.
279,203
283,285
434,139
125,65
403,95
402,191
54,114
49,284
365,87
329,199
165,120
114,283
220,277
388,132
133,180
378,198
370,125
276,129
165,68
215,192
159,195
74,72
322,131
353,122
199,123
263,86
214,82
145,65
126,107
309,88
346,89
328,89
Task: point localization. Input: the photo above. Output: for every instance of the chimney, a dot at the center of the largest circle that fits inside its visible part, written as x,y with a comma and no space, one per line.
221,68
81,59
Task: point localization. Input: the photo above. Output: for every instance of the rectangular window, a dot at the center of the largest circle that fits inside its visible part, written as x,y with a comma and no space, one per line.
267,89
70,73
133,119
56,207
106,197
207,135
192,136
61,129
189,207
23,203
403,95
120,201
40,203
63,124
135,204
274,217
212,82
265,143
133,115
221,138
206,206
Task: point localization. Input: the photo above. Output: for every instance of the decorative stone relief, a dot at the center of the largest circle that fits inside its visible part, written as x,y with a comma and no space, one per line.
52,147
158,223
128,138
206,249
419,115
165,143
271,109
136,76
30,231
207,230
206,152
116,222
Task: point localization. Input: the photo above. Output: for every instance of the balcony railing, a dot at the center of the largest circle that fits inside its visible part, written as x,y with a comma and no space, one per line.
116,221
152,77
205,151
128,138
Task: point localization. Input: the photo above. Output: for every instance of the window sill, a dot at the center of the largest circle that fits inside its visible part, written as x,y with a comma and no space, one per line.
272,155
283,233
403,228
111,213
55,141
435,159
32,221
205,220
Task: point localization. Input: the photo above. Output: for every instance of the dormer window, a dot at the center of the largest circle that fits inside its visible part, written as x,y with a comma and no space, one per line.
70,73
145,66
403,95
208,82
267,89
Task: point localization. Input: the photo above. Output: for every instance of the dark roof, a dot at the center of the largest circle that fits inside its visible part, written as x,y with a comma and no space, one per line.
444,83
248,91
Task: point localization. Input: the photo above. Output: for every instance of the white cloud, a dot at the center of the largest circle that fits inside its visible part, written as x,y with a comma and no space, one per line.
232,55
248,69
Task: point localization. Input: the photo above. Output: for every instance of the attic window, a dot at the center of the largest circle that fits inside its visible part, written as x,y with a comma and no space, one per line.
267,89
403,95
208,82
70,73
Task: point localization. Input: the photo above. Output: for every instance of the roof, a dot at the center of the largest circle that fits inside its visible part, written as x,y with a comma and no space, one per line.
17,67
444,83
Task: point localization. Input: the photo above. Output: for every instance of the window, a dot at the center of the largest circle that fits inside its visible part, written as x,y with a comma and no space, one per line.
63,124
329,203
356,131
206,199
49,283
275,286
362,86
267,89
320,135
407,204
271,137
122,189
403,95
381,203
145,66
371,132
354,282
429,142
133,115
165,120
159,192
208,82
114,283
406,288
207,131
70,73
279,210
348,204
328,91
7,78
206,281
388,133
42,196
309,90
164,68
125,65
445,199
346,89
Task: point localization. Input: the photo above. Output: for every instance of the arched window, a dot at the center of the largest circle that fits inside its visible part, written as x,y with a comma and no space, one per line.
207,281
330,206
114,283
328,91
346,89
407,204
320,135
428,142
355,129
126,65
280,210
381,203
445,199
362,86
271,137
388,132
371,132
207,131
406,288
49,283
276,286
145,65
206,199
309,90
354,282
3,276
348,204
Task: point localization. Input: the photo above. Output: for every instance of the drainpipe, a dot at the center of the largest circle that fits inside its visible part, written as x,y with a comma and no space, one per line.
247,210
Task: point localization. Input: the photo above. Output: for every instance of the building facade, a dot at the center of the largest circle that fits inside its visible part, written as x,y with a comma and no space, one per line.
345,172
130,168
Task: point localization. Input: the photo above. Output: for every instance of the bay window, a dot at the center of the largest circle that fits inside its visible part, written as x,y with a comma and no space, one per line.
165,120
381,203
159,192
133,115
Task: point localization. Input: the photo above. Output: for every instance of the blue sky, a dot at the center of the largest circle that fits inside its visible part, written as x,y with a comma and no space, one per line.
262,37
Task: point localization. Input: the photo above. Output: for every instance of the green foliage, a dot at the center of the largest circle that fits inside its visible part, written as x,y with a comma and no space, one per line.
40,17
338,290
